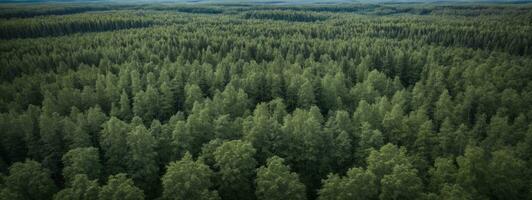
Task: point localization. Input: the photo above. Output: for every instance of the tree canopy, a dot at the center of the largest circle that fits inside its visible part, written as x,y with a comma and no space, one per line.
266,101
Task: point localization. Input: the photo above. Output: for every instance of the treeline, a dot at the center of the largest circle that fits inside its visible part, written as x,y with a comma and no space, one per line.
63,25
17,11
494,37
285,15
25,11
221,107
184,8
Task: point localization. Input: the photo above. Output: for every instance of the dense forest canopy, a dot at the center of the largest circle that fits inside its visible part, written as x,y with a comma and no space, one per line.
267,102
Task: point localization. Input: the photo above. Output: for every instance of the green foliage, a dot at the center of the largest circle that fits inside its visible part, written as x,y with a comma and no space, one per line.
28,180
82,161
237,169
358,184
81,188
339,92
188,179
276,182
384,161
114,145
142,159
506,180
401,183
454,192
473,171
263,132
119,186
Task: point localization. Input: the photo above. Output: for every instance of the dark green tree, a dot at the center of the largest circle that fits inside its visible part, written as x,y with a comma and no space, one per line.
506,178
28,180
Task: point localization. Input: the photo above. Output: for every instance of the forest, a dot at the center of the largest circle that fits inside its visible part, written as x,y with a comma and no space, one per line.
265,102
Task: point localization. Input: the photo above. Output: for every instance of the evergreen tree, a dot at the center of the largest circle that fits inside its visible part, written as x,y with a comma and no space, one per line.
142,159
124,112
188,179
276,182
81,188
119,186
82,161
305,95
237,169
28,180
401,183
193,94
114,145
357,184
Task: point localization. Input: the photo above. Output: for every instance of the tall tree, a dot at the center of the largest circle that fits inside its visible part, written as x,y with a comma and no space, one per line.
402,183
383,161
263,132
125,111
506,178
357,184
454,192
188,179
167,101
232,102
443,172
114,145
53,142
28,180
473,171
237,169
120,187
82,161
443,107
142,160
305,95
146,104
276,182
81,188
193,94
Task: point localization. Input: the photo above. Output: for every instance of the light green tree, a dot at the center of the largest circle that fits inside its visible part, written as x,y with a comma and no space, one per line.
402,183
276,182
237,169
357,184
82,161
188,179
142,159
119,186
81,188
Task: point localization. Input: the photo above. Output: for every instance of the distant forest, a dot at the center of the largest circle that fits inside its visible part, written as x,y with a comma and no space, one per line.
265,102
